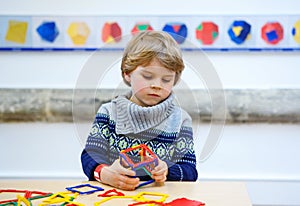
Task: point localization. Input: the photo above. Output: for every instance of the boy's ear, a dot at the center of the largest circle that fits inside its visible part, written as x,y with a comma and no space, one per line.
127,77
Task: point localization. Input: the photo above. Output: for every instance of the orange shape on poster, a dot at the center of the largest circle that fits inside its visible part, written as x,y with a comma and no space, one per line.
111,32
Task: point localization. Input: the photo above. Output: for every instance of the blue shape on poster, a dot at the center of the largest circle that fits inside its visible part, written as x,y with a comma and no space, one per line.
239,31
48,31
177,30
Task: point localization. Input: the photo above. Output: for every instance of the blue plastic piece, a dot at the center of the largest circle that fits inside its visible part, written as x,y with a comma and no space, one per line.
95,189
240,38
178,31
48,31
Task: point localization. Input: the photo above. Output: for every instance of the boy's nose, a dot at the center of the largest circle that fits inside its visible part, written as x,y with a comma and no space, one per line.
155,87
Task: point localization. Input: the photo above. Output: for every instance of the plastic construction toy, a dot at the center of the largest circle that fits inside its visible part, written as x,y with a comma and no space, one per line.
207,32
140,197
78,32
272,33
148,160
111,32
48,31
27,195
239,31
178,31
296,31
59,198
141,27
94,189
112,192
17,32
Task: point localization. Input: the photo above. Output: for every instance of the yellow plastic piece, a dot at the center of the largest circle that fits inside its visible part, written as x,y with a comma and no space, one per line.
78,32
16,31
59,197
112,197
24,200
140,196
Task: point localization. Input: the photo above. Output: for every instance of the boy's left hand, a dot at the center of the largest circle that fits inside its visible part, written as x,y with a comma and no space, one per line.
160,172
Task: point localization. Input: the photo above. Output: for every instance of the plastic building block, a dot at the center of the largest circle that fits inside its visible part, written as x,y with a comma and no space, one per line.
141,27
272,33
59,197
109,198
148,160
140,197
147,203
296,31
111,32
27,194
48,31
24,200
94,189
185,202
112,192
177,30
78,32
239,31
207,32
16,31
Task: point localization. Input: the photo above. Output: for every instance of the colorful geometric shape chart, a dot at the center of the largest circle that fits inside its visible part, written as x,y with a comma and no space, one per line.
272,32
111,32
296,31
178,31
78,32
141,27
48,31
207,32
16,31
239,31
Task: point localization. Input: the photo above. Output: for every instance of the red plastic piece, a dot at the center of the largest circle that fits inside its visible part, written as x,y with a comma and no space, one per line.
112,192
27,194
185,202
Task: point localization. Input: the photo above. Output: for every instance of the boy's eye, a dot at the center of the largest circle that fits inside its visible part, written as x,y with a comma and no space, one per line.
147,76
166,80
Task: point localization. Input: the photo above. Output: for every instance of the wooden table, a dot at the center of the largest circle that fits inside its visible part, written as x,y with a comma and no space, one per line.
211,193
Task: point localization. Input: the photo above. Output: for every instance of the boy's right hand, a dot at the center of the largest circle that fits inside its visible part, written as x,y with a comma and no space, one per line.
118,176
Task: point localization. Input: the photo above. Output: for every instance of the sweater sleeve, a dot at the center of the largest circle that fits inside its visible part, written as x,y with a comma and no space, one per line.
96,148
182,167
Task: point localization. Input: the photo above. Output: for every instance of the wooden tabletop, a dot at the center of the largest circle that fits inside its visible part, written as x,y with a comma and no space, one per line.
208,192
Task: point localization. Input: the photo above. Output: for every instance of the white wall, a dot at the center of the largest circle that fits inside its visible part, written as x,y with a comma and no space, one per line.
264,155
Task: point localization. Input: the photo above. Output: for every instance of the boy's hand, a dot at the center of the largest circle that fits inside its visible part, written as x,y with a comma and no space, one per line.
117,176
160,172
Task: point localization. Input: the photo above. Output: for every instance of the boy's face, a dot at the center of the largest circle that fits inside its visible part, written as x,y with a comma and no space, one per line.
150,84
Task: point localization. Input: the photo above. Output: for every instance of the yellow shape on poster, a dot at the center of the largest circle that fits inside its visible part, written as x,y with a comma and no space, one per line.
237,30
16,31
78,32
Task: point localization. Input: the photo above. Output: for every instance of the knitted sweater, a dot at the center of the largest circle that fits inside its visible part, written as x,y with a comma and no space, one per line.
165,128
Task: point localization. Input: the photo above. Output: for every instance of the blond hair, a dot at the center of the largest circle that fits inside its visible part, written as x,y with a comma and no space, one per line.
147,45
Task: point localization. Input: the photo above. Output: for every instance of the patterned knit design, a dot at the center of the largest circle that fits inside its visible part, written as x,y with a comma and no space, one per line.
138,125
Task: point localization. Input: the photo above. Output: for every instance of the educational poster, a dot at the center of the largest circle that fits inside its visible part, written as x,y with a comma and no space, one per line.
208,33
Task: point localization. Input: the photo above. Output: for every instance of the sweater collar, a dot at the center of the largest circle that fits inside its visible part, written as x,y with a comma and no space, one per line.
132,118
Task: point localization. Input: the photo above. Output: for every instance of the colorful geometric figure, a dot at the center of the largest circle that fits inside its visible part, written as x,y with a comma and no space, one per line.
111,32
94,189
141,27
178,31
148,160
207,32
78,32
16,31
239,31
272,32
48,31
296,32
